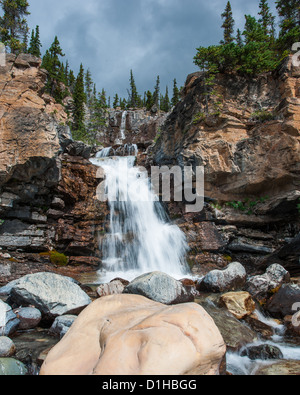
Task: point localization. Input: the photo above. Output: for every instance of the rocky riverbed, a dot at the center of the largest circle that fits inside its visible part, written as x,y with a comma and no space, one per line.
38,310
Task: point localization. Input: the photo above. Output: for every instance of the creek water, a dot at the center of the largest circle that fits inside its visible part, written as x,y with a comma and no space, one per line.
141,238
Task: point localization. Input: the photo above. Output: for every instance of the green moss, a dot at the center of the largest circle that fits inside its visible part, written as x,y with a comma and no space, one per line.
56,258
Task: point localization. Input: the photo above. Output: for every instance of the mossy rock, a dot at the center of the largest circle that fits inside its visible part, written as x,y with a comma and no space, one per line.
56,258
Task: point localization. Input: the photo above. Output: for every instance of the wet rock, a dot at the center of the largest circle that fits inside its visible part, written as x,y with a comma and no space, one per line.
29,317
285,301
113,288
261,286
12,367
235,334
263,351
78,148
7,347
264,330
283,368
239,304
8,320
161,288
52,294
62,324
114,330
231,279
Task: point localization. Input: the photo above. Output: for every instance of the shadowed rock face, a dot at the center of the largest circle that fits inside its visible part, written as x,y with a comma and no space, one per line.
131,335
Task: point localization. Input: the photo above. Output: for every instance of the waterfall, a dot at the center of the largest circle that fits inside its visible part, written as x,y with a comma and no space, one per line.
123,125
141,238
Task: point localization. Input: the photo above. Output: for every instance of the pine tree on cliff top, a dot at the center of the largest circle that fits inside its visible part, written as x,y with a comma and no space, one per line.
289,12
79,99
228,24
175,98
35,43
267,20
13,25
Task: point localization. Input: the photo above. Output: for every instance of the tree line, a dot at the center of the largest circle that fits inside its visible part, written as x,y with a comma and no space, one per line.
89,106
259,47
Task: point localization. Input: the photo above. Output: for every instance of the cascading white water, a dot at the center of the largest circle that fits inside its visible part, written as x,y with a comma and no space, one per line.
123,125
141,238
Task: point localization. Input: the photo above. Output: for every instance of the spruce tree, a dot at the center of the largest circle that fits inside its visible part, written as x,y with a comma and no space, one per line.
228,24
289,12
156,92
35,43
267,20
116,101
79,99
135,100
13,25
89,85
175,98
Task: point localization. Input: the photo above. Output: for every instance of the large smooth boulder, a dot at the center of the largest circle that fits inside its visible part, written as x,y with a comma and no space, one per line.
8,320
285,301
161,288
261,286
132,335
233,278
52,294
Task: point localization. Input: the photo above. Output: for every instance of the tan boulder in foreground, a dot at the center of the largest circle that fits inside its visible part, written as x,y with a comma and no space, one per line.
132,335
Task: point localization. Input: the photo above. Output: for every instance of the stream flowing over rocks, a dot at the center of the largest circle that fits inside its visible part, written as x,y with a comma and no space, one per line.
139,287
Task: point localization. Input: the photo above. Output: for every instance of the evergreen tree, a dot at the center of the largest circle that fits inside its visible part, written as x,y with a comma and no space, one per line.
89,85
79,99
116,101
156,92
13,25
134,98
289,12
103,99
149,101
267,20
175,98
165,104
228,24
239,39
35,43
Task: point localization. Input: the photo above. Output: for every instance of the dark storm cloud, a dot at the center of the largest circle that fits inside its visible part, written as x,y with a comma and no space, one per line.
151,37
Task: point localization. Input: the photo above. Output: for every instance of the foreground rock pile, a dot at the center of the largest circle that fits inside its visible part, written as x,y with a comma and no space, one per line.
151,325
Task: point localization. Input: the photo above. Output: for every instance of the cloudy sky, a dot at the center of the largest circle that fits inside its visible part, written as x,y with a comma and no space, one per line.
151,37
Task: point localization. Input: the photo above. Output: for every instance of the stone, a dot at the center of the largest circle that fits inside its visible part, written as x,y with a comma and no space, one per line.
230,279
239,304
29,317
7,347
52,294
8,320
283,368
261,286
113,288
235,333
285,301
62,324
12,367
263,351
132,335
159,287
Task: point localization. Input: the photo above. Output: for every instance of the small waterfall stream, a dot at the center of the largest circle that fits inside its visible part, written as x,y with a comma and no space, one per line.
141,238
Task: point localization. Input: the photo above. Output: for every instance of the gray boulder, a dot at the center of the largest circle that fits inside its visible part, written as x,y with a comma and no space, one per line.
285,301
61,325
8,320
52,294
260,286
263,352
7,347
29,317
161,288
12,367
232,278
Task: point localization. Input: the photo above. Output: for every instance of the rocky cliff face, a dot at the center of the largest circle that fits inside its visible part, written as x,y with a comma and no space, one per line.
47,185
249,145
